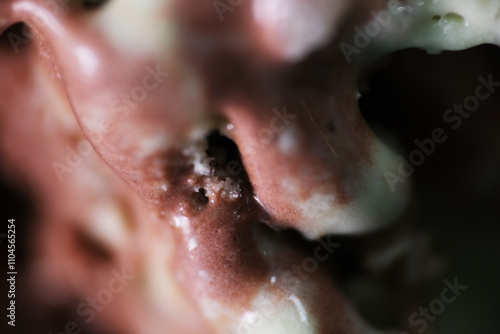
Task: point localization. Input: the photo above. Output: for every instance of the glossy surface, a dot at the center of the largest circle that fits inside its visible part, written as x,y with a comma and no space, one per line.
190,220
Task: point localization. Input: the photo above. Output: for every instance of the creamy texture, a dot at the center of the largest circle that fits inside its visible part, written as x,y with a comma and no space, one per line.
158,89
436,25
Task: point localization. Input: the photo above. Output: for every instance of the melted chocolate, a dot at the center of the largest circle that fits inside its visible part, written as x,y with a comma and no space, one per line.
209,77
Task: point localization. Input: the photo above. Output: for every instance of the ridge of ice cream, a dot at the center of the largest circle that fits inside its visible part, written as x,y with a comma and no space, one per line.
218,128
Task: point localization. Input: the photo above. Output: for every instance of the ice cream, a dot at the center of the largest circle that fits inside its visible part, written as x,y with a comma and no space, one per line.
223,131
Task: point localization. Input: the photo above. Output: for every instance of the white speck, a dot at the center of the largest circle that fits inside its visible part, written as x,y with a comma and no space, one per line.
59,72
266,253
153,144
258,201
192,244
300,308
250,317
230,127
164,187
273,279
288,140
88,59
179,221
182,222
203,274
